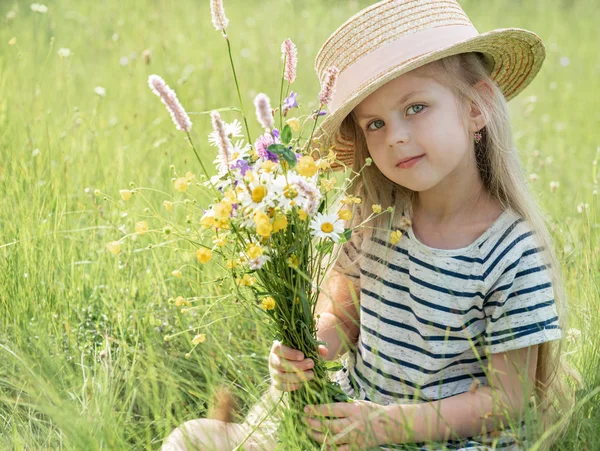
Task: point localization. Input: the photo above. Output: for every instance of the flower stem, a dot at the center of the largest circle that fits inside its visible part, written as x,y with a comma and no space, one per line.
238,89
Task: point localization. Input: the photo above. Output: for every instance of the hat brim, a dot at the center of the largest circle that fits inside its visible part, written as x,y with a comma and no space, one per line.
513,57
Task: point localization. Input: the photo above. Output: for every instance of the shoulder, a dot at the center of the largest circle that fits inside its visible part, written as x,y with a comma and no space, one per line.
514,245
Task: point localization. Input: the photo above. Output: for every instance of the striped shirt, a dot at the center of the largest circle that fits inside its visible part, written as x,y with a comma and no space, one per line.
429,317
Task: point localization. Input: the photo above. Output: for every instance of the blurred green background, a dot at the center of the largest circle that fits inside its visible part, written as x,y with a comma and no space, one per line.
83,360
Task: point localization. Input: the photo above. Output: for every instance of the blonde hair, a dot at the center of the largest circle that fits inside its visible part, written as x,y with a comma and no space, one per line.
503,178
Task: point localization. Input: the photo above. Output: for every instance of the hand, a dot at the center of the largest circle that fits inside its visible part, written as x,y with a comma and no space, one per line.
351,425
288,367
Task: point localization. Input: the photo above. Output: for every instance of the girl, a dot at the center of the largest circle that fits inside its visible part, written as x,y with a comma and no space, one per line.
450,321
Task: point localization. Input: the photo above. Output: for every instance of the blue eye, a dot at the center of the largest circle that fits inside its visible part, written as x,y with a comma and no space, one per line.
369,125
417,106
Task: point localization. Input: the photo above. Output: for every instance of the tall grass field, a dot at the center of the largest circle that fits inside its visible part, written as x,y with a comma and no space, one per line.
84,364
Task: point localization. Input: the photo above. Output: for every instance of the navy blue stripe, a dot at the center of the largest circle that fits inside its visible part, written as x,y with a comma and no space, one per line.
533,327
408,345
480,245
441,308
522,334
504,252
517,293
523,310
503,237
403,325
431,286
422,263
382,391
406,308
420,369
440,383
519,274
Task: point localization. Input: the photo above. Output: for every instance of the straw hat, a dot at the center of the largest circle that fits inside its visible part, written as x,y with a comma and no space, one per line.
392,37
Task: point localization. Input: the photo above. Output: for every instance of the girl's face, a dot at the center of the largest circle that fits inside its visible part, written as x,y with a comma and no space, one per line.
416,116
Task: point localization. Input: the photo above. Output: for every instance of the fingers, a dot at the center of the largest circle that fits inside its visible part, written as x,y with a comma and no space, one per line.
287,372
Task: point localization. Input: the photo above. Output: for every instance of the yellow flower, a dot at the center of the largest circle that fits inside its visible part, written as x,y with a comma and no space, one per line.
259,193
293,261
200,338
356,200
181,184
222,224
246,281
176,273
126,194
395,236
323,164
114,247
280,223
180,300
219,241
222,209
328,185
345,214
268,303
231,196
306,166
263,224
203,255
376,208
141,227
189,176
268,166
207,220
302,215
264,229
254,251
249,176
168,205
294,124
230,264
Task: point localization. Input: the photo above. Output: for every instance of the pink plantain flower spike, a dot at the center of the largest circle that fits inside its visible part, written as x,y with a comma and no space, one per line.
169,98
218,14
218,126
291,60
328,86
263,111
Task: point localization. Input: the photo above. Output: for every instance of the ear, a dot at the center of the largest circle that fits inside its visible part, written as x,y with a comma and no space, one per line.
476,119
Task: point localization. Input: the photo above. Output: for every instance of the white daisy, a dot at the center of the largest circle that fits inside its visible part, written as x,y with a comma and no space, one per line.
327,226
233,130
236,152
257,263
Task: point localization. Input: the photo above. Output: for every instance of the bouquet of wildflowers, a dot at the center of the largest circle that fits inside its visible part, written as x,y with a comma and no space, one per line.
275,215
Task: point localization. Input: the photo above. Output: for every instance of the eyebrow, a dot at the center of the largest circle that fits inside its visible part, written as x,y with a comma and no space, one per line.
402,100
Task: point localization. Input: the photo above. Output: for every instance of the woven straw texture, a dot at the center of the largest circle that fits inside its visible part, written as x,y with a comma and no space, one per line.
513,56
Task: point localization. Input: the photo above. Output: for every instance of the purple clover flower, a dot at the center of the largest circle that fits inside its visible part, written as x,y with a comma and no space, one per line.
291,101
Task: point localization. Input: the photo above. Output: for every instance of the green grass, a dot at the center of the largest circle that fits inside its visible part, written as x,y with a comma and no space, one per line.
83,360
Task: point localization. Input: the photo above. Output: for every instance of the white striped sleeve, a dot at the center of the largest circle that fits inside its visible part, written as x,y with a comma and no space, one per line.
519,306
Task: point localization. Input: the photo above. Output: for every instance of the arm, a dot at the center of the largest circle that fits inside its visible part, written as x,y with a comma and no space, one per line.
338,324
471,413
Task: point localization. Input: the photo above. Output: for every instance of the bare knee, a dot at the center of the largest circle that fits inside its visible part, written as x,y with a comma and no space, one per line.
206,435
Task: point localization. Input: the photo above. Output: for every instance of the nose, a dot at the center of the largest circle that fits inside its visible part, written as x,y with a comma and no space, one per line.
398,133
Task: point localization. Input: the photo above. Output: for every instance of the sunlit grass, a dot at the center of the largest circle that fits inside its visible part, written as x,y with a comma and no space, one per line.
84,363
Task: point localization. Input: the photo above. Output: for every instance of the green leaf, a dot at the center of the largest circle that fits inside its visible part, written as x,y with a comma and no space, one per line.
277,148
333,365
286,134
284,152
325,247
345,236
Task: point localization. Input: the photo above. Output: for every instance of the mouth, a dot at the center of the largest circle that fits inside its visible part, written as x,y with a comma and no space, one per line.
407,162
